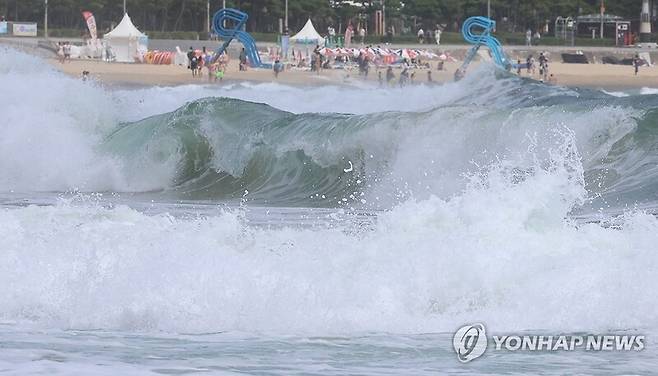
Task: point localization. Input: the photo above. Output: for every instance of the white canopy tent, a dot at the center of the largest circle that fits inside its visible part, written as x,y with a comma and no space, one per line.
128,44
308,35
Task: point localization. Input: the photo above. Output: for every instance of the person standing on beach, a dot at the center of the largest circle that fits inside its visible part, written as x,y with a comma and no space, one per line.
109,55
404,77
543,66
390,76
318,62
278,68
60,52
531,65
219,73
365,65
243,60
202,61
421,35
67,51
528,64
528,37
362,35
349,33
437,35
331,32
194,61
212,68
190,55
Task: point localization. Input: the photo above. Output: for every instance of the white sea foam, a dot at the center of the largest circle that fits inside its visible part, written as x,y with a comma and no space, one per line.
500,253
618,94
648,91
51,126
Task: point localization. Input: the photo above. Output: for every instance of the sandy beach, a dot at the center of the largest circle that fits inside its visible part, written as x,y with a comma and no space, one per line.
599,76
145,74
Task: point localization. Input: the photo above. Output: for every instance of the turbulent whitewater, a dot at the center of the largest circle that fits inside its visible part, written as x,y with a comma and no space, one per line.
325,211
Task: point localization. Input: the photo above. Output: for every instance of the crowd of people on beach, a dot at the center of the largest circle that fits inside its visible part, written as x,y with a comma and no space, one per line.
365,59
540,65
204,63
64,51
532,39
215,67
427,36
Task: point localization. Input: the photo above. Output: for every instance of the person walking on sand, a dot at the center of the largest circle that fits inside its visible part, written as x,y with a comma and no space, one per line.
421,35
636,63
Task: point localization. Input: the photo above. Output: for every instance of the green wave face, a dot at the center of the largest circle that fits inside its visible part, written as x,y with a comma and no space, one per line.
221,148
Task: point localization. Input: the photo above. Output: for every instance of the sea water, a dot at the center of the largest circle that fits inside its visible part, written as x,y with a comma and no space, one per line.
269,229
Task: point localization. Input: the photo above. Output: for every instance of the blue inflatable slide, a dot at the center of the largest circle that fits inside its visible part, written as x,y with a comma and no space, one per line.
238,19
477,31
